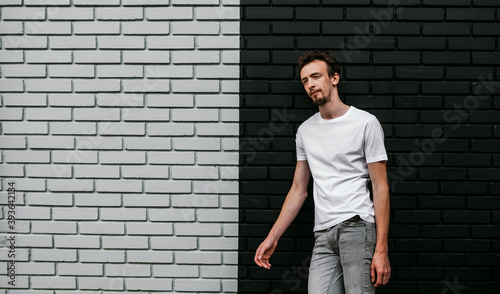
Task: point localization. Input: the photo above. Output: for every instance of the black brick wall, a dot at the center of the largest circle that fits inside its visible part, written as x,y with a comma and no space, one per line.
428,69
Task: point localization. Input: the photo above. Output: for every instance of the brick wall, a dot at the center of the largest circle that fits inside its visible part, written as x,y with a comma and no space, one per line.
429,71
119,130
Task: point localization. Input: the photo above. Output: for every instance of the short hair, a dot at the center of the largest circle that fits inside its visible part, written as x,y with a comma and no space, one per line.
308,57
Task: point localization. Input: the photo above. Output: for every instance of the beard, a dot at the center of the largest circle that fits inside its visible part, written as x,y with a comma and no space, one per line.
320,99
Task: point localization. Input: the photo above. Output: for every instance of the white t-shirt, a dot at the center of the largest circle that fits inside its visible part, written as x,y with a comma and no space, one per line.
337,151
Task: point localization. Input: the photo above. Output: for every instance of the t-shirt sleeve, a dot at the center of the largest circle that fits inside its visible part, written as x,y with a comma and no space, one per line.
374,147
301,155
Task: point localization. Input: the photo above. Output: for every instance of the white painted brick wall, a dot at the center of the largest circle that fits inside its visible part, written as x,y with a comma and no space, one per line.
119,127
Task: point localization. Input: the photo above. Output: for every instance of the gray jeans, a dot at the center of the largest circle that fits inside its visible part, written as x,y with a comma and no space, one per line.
341,258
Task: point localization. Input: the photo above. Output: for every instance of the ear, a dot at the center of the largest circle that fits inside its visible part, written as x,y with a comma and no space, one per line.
335,79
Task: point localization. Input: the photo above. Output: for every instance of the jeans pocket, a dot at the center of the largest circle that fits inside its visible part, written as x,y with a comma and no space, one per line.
370,239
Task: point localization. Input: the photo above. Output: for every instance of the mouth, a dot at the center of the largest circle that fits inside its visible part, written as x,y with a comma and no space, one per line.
314,92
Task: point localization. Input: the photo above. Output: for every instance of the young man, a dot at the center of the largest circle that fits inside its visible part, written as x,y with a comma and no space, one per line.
342,147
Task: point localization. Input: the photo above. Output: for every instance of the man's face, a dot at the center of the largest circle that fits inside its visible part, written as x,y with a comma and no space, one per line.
318,85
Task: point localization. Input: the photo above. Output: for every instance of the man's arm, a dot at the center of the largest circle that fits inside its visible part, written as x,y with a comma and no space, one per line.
380,268
293,202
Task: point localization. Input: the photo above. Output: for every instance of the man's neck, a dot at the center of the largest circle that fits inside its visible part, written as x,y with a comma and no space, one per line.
333,108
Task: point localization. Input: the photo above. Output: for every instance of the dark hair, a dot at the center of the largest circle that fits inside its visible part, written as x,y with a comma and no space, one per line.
308,57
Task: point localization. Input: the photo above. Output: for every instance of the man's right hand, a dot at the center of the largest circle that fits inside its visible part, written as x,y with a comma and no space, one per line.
264,252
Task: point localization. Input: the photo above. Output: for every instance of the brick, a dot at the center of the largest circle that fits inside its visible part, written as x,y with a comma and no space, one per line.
176,129
50,142
146,28
112,256
97,56
69,185
125,100
120,270
195,115
34,241
55,114
169,13
170,42
71,156
407,13
466,245
217,101
486,29
200,258
215,129
100,28
156,284
59,28
126,186
123,129
89,172
268,13
171,157
218,216
213,42
204,201
89,228
151,144
471,14
226,158
194,28
196,144
220,72
46,199
197,86
145,57
14,57
217,13
24,71
148,229
68,269
45,268
49,227
140,256
186,57
145,172
173,243
218,272
119,71
179,172
107,85
128,214
195,2
31,13
63,213
223,187
91,283
175,271
26,156
174,215
90,242
200,285
121,42
146,201
446,29
50,282
74,100
62,255
167,187
115,242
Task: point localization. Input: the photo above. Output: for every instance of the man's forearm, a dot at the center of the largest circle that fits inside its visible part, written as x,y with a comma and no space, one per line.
291,207
382,215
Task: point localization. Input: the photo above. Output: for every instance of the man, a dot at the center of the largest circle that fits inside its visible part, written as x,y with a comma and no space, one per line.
342,147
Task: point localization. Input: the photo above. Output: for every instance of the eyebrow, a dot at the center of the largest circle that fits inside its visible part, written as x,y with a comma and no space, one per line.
314,73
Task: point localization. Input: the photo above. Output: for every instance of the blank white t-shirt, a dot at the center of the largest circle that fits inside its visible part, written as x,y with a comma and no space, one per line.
337,151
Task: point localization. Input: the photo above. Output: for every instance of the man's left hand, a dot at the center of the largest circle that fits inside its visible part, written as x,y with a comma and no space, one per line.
380,269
